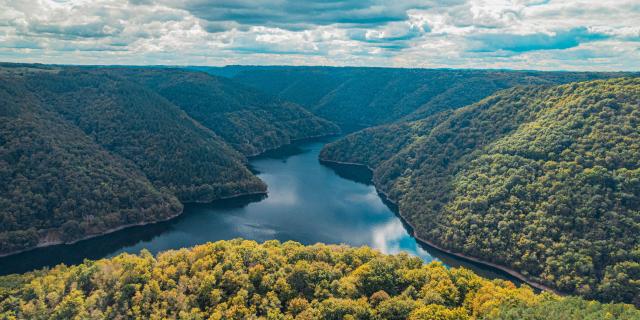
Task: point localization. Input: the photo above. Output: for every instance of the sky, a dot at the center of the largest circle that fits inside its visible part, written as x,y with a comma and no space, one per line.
515,34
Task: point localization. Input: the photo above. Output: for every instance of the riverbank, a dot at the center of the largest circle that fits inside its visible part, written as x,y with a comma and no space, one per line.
431,244
292,141
49,243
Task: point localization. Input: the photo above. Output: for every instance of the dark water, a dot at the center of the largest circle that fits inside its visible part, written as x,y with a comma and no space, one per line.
307,202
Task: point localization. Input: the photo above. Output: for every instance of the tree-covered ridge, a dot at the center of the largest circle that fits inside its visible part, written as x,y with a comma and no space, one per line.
87,150
544,181
173,150
250,121
58,185
373,96
372,146
244,280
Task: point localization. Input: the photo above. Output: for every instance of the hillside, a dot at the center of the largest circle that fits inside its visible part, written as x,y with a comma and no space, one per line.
129,120
372,96
88,150
249,121
242,279
542,180
58,185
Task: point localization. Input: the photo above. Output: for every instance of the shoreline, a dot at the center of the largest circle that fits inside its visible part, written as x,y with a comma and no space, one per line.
381,193
431,244
127,226
292,141
171,217
106,232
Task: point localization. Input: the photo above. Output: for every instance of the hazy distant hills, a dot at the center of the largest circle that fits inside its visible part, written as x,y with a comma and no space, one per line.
371,96
250,121
543,180
87,150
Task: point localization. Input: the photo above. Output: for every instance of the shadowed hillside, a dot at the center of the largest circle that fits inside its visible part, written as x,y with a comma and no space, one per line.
58,184
88,150
250,121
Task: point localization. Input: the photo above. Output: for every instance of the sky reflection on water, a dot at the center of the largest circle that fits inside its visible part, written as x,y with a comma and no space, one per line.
307,202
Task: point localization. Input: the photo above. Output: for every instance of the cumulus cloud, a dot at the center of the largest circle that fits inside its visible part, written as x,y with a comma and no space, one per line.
562,39
530,34
297,14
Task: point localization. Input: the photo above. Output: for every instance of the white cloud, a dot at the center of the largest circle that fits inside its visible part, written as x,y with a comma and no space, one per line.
524,34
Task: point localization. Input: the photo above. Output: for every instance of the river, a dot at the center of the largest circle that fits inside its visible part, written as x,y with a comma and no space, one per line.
307,202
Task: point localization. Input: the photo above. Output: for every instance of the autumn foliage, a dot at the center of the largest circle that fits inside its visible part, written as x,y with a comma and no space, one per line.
241,279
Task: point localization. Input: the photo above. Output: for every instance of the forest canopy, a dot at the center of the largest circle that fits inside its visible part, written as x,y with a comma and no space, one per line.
88,150
58,184
248,120
373,96
241,279
543,180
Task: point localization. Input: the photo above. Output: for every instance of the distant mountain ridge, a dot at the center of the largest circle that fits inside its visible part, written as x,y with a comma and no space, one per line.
87,150
250,121
371,96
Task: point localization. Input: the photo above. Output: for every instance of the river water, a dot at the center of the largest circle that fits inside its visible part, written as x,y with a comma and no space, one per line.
307,202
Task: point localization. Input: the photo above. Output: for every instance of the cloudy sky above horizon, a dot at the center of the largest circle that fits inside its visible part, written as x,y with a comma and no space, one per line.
518,34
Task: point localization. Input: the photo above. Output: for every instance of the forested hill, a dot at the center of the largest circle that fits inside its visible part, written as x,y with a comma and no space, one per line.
87,150
371,96
244,280
250,121
58,184
174,151
543,180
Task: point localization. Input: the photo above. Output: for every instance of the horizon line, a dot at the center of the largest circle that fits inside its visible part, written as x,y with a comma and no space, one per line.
3,63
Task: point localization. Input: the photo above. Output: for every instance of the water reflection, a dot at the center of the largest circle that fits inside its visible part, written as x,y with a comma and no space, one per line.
393,238
307,202
360,174
100,247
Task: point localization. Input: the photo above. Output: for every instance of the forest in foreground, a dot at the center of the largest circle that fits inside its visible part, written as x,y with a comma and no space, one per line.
241,279
544,180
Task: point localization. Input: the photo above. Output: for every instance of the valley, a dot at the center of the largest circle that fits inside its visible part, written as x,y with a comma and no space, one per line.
534,184
514,179
307,202
90,150
320,160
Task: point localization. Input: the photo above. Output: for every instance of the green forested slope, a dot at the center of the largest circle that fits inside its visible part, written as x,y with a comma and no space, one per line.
372,96
244,280
173,150
57,184
250,121
545,181
372,146
85,150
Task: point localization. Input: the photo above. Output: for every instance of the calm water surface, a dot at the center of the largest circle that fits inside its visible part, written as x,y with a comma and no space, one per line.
307,202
